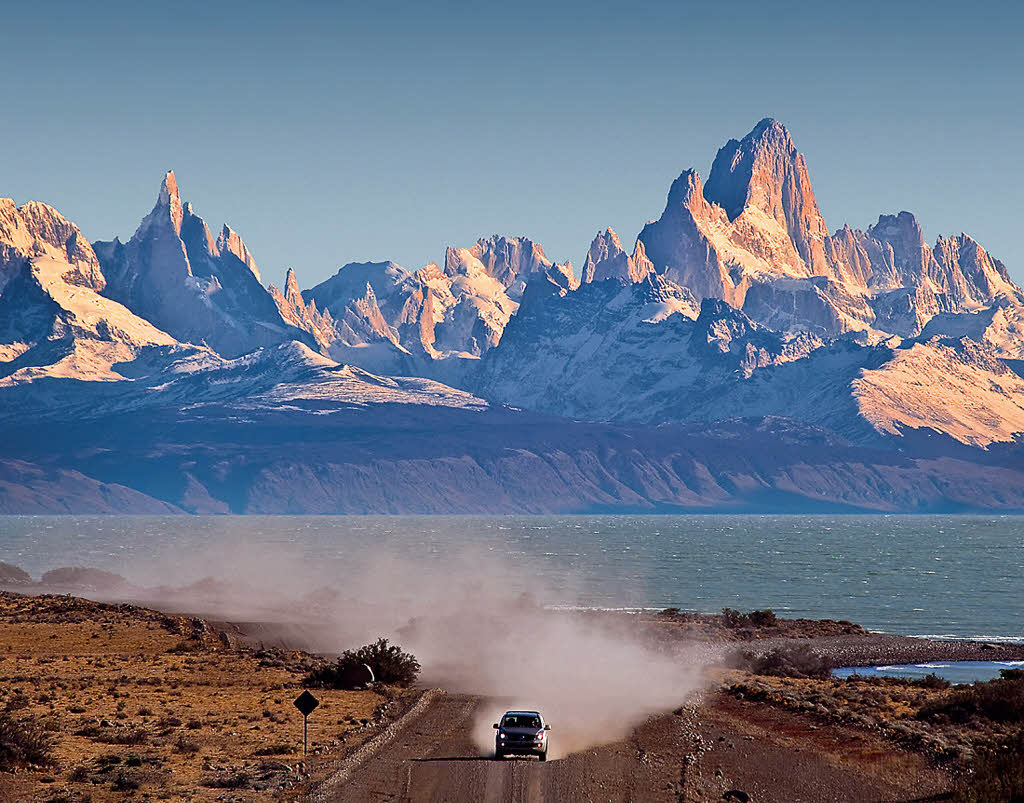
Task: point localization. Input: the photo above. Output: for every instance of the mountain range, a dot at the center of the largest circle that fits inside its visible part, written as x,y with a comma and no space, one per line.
739,357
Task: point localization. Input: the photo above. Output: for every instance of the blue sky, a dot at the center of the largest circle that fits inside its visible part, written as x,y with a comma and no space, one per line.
333,132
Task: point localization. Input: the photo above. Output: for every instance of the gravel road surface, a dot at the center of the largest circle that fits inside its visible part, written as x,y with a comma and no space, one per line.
703,753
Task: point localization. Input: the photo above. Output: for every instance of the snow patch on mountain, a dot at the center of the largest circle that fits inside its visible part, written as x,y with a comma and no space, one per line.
609,351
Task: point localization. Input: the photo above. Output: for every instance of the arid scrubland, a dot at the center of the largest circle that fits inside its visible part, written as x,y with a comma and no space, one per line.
132,703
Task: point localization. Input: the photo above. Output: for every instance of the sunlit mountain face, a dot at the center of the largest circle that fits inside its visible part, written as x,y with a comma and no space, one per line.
738,356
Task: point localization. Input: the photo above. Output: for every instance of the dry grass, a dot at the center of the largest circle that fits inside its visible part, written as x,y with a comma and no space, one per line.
155,707
888,706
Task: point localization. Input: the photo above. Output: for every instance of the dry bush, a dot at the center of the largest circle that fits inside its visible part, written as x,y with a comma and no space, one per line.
996,776
786,662
22,743
186,646
761,618
387,661
275,750
228,780
931,681
999,700
185,745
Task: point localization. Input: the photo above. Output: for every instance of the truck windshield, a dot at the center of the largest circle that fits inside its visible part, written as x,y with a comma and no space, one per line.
521,721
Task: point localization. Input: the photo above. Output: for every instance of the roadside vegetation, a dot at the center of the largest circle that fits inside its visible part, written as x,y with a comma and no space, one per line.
389,664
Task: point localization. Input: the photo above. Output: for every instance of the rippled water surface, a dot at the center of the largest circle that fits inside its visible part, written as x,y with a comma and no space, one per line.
953,671
941,575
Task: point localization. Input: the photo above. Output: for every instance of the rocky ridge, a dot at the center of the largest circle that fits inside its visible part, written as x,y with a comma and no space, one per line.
754,236
867,367
199,290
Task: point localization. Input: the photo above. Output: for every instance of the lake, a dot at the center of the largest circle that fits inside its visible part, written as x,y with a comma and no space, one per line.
950,576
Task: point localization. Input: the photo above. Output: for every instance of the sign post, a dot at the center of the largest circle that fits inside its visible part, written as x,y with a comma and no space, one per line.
306,703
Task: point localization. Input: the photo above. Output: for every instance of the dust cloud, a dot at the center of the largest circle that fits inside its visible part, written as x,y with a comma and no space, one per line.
476,624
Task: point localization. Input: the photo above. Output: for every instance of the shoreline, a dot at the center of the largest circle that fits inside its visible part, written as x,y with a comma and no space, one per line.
889,650
843,643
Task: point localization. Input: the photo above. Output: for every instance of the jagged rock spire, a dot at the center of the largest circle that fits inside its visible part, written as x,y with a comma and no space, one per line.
291,284
607,259
764,171
230,242
173,273
169,200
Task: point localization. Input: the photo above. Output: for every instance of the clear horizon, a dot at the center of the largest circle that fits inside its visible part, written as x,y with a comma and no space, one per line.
328,134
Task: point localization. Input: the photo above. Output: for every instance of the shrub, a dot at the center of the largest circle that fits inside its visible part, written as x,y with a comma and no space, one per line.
999,700
17,701
90,731
275,750
125,781
22,742
79,774
931,681
184,745
761,618
133,736
387,661
186,647
996,776
229,780
789,662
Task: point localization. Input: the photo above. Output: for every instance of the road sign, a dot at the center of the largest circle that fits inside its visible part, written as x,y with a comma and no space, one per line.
306,703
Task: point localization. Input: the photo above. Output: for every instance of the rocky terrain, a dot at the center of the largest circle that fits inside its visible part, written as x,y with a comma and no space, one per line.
739,357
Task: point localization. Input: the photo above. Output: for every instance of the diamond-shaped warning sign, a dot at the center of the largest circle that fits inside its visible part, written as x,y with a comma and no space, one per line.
306,702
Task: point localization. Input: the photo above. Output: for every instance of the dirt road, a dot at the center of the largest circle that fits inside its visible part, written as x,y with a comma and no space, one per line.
699,754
